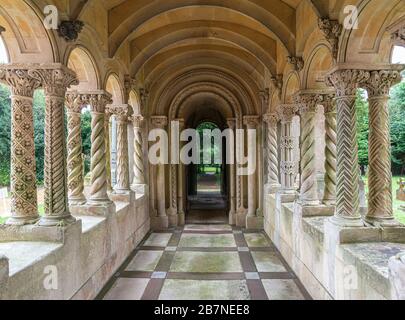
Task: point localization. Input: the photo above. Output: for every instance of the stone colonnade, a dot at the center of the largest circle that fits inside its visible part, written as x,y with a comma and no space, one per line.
64,180
341,190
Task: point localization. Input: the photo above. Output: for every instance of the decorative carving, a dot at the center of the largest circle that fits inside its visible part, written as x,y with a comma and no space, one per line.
296,62
332,30
159,121
286,112
74,106
265,97
251,122
69,30
278,84
272,149
139,171
379,82
346,81
398,36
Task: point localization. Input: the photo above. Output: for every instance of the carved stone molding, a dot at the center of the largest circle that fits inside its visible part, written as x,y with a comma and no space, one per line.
380,82
251,122
159,121
97,100
277,82
307,102
332,30
271,119
296,62
398,33
69,30
137,121
286,112
123,111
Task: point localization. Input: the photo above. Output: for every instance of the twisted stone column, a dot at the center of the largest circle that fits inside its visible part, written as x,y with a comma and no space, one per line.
380,211
346,83
107,138
122,113
24,207
288,166
98,192
138,184
232,179
56,80
307,104
74,106
272,152
180,184
251,123
329,197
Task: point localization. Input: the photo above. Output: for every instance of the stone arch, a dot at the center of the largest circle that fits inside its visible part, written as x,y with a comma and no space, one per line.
318,63
25,36
292,85
135,103
82,62
114,87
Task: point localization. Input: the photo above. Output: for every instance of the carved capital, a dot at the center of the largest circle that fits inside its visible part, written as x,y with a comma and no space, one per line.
307,102
159,122
20,78
56,80
332,30
296,62
398,36
271,119
122,112
137,121
346,81
380,82
251,122
98,100
287,111
329,103
74,102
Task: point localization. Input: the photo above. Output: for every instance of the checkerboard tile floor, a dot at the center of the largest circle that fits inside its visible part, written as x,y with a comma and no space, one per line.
205,262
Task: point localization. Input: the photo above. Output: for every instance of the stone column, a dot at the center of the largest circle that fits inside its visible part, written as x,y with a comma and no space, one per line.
107,137
380,210
162,220
273,182
252,219
346,83
307,106
122,113
24,207
288,166
98,192
232,179
329,197
180,183
74,107
138,184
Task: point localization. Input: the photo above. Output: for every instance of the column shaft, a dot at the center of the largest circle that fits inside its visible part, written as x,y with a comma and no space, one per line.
232,179
139,170
272,152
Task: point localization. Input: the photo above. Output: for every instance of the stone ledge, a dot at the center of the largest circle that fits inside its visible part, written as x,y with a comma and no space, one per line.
396,266
90,210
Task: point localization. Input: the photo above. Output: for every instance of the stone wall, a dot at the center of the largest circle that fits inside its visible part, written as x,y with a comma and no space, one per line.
327,269
86,255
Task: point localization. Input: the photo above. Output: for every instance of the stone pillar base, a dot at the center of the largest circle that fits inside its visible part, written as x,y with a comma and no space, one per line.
286,197
159,223
77,201
139,188
272,188
241,219
100,210
232,218
22,221
173,217
127,196
389,223
254,223
50,221
181,219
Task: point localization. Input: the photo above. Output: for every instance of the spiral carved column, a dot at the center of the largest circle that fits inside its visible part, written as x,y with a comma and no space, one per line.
329,197
122,113
380,210
346,83
180,183
55,82
107,138
288,166
24,207
98,191
272,152
74,106
138,184
307,103
232,197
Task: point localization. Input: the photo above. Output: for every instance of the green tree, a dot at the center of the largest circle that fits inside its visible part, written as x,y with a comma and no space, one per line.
39,133
397,117
86,137
362,128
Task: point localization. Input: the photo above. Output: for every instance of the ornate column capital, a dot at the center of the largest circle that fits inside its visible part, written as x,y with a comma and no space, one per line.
286,112
271,118
21,79
329,103
56,78
98,100
74,102
121,111
159,122
332,30
137,120
398,33
380,82
307,101
251,122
